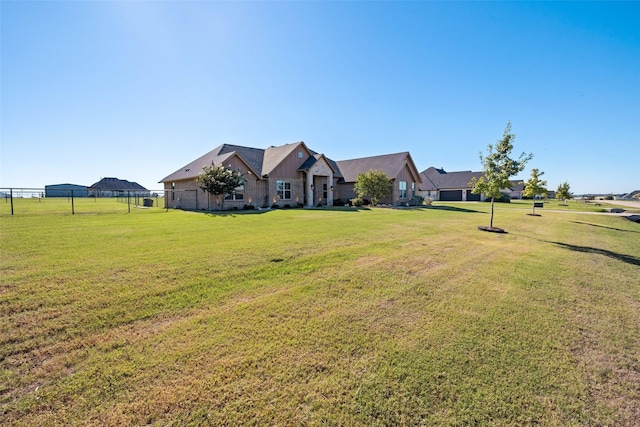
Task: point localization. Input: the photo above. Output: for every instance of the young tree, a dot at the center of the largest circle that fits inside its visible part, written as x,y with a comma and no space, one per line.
374,183
498,168
563,192
219,181
535,186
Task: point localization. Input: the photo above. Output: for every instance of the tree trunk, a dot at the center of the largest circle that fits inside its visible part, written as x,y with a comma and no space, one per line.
491,218
534,208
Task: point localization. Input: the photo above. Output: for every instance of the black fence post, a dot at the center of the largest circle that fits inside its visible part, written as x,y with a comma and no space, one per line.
128,201
73,208
11,197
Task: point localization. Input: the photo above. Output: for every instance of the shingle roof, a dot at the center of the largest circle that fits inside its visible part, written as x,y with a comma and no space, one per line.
314,158
261,161
309,162
439,179
390,164
516,185
219,155
274,155
332,163
265,161
115,184
253,157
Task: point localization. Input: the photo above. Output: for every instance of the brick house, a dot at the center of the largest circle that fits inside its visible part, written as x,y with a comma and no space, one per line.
291,174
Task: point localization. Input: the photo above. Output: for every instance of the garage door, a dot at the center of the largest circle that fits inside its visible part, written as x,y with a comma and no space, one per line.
472,197
451,196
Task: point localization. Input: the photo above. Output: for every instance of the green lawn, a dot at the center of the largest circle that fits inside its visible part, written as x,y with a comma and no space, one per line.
319,317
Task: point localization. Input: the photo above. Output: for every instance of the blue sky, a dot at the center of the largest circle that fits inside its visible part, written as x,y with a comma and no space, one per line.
137,89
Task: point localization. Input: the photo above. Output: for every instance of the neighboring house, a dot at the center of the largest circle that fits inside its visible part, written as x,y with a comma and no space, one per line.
399,167
439,185
291,174
517,187
112,187
66,190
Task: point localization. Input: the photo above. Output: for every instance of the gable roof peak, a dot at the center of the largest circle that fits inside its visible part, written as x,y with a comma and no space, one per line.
274,156
390,164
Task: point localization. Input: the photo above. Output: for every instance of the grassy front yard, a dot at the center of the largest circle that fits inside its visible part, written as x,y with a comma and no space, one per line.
320,317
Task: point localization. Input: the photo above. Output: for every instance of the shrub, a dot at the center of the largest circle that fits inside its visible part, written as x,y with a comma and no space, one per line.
299,205
357,202
275,206
287,206
338,202
427,202
416,201
504,198
609,197
248,207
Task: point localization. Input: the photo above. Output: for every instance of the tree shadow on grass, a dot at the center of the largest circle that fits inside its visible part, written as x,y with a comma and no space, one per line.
604,226
453,209
337,208
233,214
629,259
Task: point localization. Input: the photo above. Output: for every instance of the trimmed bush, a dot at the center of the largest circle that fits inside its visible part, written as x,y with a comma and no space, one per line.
504,198
275,206
416,201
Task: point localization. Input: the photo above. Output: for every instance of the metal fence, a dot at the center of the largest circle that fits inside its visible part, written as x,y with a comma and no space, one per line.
37,201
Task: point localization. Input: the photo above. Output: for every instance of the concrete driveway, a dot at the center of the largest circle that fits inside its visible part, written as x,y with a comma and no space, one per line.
627,203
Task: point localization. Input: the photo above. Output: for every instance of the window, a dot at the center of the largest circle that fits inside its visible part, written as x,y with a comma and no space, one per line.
299,154
403,189
238,194
283,188
324,191
413,189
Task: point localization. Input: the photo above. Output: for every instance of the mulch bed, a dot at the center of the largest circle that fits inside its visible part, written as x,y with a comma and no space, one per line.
491,229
